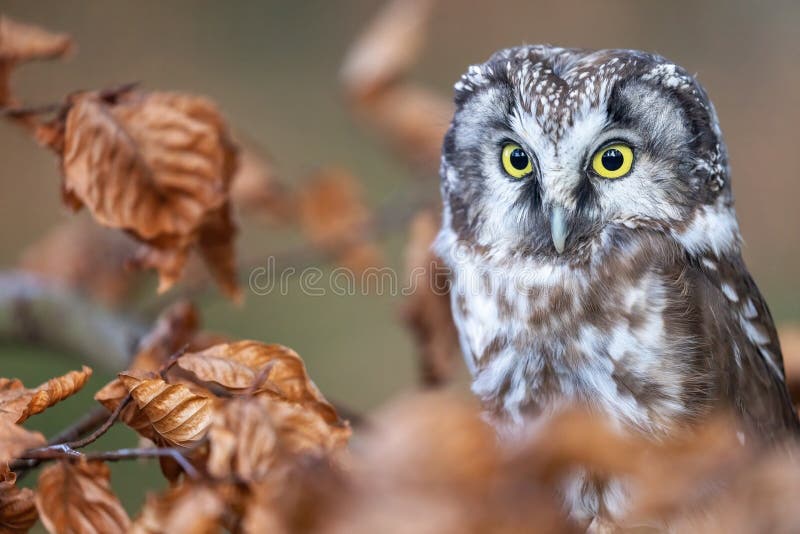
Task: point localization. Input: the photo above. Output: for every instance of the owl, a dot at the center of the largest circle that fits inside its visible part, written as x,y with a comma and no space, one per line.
595,256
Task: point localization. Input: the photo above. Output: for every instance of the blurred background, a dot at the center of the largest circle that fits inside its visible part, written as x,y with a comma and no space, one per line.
273,68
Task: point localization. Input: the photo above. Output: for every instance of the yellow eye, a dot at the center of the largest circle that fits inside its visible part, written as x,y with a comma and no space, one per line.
516,161
613,161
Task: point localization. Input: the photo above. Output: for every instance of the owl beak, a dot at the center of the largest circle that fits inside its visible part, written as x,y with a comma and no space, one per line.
558,228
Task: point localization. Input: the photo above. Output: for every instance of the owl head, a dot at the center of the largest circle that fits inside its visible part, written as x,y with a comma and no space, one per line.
551,150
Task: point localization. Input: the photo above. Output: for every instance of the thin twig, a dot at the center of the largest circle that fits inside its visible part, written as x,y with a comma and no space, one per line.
81,427
91,438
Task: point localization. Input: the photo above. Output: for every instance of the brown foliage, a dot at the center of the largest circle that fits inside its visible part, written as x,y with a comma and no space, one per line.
20,42
17,403
157,165
17,505
427,311
77,498
185,509
14,440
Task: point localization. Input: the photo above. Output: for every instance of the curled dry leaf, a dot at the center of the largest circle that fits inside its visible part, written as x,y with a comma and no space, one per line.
85,256
256,188
427,310
157,165
185,509
17,505
387,48
242,442
14,440
76,497
175,413
20,42
268,369
17,403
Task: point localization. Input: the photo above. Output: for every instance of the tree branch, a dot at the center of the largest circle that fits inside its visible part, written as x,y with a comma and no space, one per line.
36,310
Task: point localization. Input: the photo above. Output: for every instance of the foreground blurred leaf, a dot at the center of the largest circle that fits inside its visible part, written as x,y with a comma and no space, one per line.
185,509
17,403
76,498
17,505
179,416
20,42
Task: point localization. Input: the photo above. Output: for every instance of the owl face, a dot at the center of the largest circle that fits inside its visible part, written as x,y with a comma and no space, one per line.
551,149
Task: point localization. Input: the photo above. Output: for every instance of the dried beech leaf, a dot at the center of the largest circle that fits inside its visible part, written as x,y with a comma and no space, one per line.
242,443
14,440
17,403
17,505
388,47
157,165
177,414
185,509
85,256
256,188
236,366
174,329
20,42
413,120
57,389
77,498
332,213
427,310
303,431
112,394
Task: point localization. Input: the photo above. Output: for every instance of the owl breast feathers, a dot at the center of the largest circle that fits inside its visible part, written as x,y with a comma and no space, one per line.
595,253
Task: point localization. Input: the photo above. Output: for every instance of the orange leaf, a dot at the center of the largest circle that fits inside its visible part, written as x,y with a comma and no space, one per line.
387,48
237,365
188,509
20,42
157,165
241,440
14,440
77,498
17,403
85,256
178,415
17,506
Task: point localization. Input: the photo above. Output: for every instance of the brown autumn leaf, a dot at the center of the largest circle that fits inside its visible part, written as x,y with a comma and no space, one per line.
256,188
174,329
215,244
242,442
17,505
85,256
413,120
76,497
175,413
17,402
388,48
184,509
302,430
14,440
334,218
20,42
426,311
157,165
280,371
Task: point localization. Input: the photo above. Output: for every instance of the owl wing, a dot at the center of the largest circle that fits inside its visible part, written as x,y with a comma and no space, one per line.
745,347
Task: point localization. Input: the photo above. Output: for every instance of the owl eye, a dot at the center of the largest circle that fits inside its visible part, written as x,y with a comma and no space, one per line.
516,161
613,161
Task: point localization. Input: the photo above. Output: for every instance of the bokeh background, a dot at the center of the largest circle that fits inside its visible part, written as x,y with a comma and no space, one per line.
272,66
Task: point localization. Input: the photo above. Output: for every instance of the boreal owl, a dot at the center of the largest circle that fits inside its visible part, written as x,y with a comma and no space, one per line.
594,250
